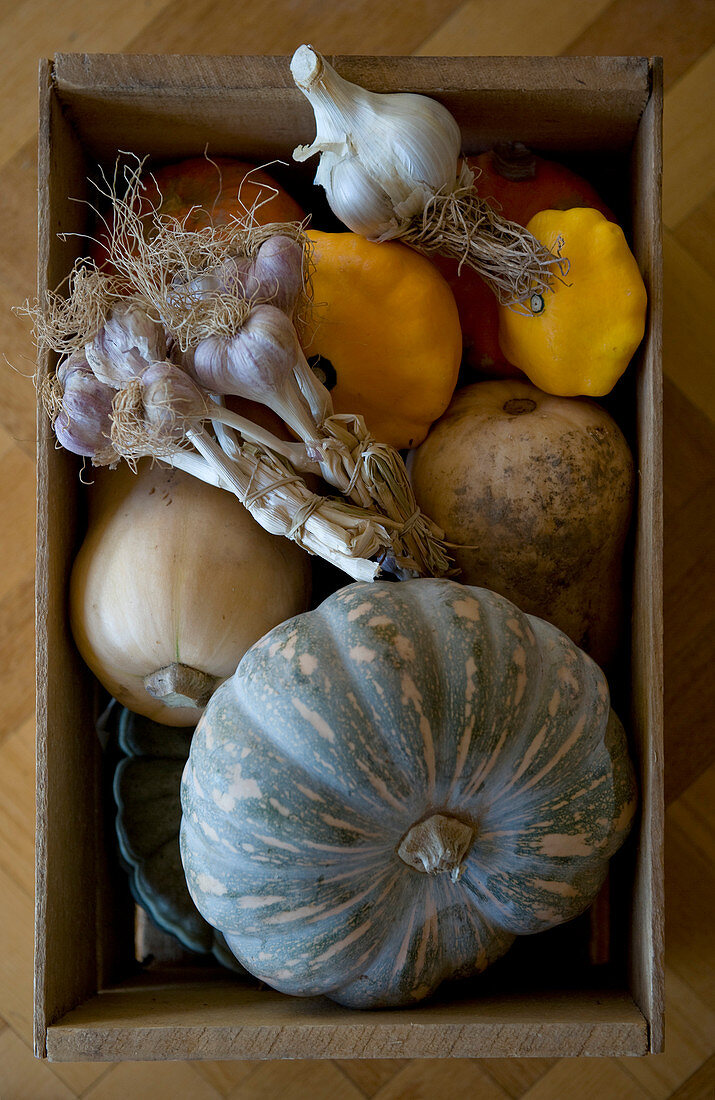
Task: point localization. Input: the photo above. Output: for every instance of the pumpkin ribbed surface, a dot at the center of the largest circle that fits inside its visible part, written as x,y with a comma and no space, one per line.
344,728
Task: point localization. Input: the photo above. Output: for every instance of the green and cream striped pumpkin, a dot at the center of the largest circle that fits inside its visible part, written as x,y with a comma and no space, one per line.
395,785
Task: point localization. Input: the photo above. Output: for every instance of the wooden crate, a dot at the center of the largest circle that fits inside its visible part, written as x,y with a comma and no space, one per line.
91,1000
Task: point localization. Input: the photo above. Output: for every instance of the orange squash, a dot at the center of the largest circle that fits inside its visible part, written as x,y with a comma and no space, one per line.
387,322
201,192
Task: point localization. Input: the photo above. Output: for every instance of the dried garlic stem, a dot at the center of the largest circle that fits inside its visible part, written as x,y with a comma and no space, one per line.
462,225
194,464
281,502
264,362
374,476
226,436
296,453
419,543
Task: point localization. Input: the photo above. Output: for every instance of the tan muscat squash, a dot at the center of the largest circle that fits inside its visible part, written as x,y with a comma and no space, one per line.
538,490
173,583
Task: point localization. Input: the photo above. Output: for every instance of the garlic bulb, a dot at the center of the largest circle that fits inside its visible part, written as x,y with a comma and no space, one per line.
258,364
274,276
383,156
81,407
128,334
278,271
389,164
222,306
172,401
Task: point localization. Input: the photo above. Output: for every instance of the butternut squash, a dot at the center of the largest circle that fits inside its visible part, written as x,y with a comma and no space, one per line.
173,583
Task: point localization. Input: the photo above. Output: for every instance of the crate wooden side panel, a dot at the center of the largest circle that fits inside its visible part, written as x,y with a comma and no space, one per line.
556,102
65,965
151,1020
647,923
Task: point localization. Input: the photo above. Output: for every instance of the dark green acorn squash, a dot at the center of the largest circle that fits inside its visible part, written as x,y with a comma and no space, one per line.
147,783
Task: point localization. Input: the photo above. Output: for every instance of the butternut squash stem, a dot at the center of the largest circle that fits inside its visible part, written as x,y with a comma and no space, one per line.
179,685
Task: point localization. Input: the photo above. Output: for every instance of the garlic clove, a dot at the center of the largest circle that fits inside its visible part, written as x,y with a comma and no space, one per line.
258,364
76,361
185,293
237,277
356,198
171,400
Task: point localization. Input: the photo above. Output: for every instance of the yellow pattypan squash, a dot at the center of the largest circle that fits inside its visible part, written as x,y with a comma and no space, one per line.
387,321
580,338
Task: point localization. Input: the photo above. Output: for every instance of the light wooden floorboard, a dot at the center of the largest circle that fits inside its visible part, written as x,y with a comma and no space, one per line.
493,27
689,142
683,31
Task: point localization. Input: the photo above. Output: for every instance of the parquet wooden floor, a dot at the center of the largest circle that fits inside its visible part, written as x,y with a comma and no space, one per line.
683,31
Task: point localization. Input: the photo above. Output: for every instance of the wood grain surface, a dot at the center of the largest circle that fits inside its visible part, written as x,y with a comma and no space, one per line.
683,32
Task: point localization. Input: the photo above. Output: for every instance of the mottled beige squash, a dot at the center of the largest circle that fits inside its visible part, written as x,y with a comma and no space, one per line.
538,490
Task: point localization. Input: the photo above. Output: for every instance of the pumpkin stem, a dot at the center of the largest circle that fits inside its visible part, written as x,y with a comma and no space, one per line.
514,161
516,406
178,685
436,845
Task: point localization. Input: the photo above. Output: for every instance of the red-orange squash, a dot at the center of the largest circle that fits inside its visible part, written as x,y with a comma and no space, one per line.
200,192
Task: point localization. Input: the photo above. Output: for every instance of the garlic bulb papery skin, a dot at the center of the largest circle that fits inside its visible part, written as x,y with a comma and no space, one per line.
274,275
129,338
184,293
82,421
172,401
278,271
344,536
383,156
